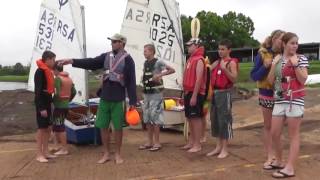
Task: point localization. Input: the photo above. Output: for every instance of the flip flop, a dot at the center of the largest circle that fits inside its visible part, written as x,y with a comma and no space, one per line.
272,167
282,175
143,147
155,148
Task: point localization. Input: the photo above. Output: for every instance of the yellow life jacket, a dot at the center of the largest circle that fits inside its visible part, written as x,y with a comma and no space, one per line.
265,56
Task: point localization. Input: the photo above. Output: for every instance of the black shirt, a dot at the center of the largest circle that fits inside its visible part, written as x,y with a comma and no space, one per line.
42,98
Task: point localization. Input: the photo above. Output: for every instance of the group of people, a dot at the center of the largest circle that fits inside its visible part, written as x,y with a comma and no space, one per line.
279,71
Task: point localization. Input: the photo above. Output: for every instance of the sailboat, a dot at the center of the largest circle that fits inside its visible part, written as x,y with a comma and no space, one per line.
157,22
61,29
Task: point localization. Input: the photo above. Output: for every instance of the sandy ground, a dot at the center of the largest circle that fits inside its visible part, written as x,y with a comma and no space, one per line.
17,149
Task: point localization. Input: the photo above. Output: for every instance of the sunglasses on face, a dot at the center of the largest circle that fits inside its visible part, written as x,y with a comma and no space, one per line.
115,41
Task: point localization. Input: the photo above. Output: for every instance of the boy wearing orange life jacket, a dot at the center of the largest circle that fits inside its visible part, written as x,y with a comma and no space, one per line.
64,93
43,90
223,76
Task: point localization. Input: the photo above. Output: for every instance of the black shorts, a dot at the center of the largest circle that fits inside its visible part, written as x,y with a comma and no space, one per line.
59,115
193,111
44,122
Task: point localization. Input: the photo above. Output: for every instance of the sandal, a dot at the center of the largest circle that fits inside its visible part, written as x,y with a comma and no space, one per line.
143,147
155,148
281,175
271,166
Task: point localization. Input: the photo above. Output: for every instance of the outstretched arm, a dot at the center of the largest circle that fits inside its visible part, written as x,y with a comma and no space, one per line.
85,63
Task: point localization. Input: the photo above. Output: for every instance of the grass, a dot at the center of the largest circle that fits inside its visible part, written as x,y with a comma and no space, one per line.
12,78
244,80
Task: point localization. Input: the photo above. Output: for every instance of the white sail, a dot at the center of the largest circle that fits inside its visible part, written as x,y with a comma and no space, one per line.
60,29
156,21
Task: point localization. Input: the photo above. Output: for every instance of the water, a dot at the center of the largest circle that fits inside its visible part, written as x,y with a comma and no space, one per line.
12,85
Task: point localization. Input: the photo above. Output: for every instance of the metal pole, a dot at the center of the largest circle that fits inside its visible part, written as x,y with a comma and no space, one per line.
84,46
251,54
318,51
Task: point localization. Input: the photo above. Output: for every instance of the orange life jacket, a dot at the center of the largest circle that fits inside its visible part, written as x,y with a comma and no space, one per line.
66,85
48,74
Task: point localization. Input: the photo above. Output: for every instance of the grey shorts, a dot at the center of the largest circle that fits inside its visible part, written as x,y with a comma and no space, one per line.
221,115
153,109
286,111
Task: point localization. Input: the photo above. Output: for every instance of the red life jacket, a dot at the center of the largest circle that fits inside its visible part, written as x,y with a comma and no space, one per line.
292,88
189,77
219,79
66,85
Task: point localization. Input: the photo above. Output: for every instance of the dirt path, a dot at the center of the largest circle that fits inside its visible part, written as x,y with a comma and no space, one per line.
17,152
17,160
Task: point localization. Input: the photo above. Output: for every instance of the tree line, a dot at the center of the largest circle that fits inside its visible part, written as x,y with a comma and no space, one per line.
17,69
236,27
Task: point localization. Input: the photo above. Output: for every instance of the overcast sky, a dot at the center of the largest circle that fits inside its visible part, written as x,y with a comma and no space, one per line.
18,19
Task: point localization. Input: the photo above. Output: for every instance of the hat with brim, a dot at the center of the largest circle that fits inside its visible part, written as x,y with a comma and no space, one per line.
194,41
118,37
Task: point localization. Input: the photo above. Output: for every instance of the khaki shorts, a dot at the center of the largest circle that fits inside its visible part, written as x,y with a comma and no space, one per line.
284,110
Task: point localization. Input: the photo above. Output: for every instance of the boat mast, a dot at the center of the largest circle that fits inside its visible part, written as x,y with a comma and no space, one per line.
84,54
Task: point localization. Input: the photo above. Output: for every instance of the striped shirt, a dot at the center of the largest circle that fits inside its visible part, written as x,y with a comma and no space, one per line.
302,62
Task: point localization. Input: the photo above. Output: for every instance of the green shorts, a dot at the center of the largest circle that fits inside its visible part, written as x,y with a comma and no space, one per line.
110,112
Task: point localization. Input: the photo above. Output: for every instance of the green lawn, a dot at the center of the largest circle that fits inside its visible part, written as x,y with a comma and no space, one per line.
243,79
14,78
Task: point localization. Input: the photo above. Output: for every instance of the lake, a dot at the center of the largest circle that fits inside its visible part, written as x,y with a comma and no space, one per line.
12,85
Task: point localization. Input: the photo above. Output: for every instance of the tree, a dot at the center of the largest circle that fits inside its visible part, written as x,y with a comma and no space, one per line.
236,27
18,69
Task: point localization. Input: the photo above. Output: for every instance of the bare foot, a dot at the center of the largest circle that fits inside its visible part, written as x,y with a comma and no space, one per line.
118,159
223,154
105,158
214,152
186,147
42,159
203,140
194,149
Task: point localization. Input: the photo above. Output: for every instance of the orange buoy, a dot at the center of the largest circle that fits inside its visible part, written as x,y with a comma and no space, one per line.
132,117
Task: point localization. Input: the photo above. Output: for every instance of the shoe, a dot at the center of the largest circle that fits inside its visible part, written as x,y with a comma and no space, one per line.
61,152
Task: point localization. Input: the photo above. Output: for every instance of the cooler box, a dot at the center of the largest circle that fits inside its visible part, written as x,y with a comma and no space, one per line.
82,134
79,132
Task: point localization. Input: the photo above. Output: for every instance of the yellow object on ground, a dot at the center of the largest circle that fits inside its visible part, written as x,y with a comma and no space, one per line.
169,103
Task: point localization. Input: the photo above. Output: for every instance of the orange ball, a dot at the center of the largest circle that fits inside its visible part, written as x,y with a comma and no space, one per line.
132,117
